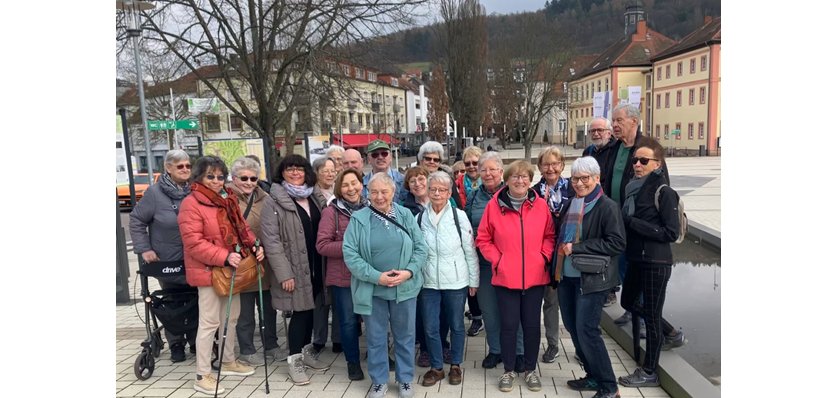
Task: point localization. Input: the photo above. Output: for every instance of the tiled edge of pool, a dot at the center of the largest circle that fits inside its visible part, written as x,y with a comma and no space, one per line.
704,234
678,378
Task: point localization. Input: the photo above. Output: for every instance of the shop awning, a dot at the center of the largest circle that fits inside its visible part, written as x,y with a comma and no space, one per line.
361,140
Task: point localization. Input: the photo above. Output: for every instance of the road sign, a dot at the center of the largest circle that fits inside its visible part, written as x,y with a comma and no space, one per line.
155,125
187,125
675,132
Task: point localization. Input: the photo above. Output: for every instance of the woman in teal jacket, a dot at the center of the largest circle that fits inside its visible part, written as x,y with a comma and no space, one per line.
386,279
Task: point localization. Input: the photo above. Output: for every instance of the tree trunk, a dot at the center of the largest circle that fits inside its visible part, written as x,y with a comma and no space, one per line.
527,150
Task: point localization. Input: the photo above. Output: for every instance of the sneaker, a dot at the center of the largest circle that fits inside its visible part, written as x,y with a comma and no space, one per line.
611,299
551,354
432,377
317,348
253,359
236,368
446,356
309,358
206,384
519,364
296,369
640,379
355,371
336,348
476,327
276,354
583,384
405,390
455,375
377,391
178,353
507,381
423,360
623,320
533,382
491,361
605,394
678,340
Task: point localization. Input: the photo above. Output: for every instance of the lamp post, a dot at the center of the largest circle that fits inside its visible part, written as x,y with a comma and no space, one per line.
132,9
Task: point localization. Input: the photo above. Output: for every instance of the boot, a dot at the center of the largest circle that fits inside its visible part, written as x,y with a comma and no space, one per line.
309,358
296,369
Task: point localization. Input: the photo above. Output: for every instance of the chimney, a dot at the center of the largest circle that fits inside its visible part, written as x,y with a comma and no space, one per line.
641,31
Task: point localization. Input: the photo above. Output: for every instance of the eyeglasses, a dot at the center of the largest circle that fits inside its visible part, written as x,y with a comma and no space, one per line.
582,179
552,165
245,178
417,180
430,159
471,164
519,177
220,177
594,131
381,154
438,190
644,161
459,172
295,169
187,166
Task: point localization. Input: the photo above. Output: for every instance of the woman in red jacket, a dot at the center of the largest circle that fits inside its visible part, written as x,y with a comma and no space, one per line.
214,235
519,257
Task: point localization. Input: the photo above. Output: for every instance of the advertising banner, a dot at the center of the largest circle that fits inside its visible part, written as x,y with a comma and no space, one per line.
230,150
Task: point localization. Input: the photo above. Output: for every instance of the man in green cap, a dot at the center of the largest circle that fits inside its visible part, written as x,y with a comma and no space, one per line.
379,156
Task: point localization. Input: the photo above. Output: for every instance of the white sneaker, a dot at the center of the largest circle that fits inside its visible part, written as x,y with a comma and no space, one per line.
296,369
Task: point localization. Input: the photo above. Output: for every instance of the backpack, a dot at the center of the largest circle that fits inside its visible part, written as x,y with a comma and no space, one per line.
681,214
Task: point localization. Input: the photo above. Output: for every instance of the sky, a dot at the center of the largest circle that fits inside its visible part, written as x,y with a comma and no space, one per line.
509,6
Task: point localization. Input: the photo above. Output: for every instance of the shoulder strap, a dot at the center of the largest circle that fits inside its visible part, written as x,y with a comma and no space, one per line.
390,219
421,213
249,205
456,221
657,196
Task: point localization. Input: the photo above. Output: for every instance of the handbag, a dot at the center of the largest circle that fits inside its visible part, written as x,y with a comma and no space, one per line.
246,275
590,263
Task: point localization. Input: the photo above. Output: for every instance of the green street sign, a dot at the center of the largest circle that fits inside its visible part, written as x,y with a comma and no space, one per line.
187,125
156,125
675,132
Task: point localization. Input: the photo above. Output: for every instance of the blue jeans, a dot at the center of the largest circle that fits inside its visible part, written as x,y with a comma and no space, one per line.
401,317
581,314
342,306
453,304
487,297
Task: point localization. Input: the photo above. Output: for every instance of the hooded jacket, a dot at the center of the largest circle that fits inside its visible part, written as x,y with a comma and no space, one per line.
333,225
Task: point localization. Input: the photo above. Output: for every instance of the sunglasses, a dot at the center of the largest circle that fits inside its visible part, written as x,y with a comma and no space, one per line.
244,179
186,166
643,161
381,154
471,164
434,160
220,177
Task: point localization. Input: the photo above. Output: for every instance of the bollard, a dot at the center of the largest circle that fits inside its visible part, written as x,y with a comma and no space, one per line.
122,293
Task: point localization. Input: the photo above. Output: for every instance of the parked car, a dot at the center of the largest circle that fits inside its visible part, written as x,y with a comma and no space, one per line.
123,192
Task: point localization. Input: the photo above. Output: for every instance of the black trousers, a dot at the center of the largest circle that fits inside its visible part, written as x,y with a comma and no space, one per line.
520,308
474,307
174,339
299,330
650,283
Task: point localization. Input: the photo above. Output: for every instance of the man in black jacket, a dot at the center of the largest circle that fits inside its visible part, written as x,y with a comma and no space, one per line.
603,143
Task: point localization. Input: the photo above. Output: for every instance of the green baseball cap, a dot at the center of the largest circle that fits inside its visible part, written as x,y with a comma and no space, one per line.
377,144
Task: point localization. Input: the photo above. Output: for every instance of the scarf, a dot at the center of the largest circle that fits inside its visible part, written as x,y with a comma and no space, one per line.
349,207
554,197
232,225
390,213
470,185
171,189
631,190
297,191
571,228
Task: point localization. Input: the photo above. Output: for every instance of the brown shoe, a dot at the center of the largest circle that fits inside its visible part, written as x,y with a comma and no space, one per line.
455,375
432,377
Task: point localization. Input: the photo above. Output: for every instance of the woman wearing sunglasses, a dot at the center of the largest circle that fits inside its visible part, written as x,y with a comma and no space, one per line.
215,234
156,235
651,224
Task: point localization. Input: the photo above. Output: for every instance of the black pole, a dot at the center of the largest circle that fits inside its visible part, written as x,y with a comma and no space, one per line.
305,145
266,160
127,143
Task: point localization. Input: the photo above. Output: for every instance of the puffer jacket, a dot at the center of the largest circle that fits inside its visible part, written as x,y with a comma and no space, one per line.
203,245
518,244
474,209
333,225
650,232
283,238
254,221
451,262
153,225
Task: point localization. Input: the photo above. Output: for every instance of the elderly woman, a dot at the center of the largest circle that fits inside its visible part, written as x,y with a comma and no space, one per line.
431,155
214,235
385,251
290,220
591,225
245,177
450,275
326,169
156,235
415,182
458,169
333,225
466,182
556,191
652,223
335,153
491,177
519,257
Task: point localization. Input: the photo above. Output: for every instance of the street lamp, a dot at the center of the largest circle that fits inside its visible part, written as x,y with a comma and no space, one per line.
132,9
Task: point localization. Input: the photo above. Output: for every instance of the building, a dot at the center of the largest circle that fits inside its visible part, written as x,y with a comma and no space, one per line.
687,91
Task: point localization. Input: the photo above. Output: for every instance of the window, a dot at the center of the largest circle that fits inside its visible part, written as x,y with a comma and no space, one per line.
658,131
213,123
659,73
358,73
346,70
648,81
700,131
691,96
667,98
235,123
702,95
680,68
599,85
665,130
679,132
370,76
703,63
691,131
679,98
668,71
658,101
607,85
692,65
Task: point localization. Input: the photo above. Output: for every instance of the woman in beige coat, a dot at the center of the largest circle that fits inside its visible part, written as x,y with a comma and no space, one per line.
289,223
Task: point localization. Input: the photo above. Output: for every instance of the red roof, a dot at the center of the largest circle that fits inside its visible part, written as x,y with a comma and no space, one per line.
360,140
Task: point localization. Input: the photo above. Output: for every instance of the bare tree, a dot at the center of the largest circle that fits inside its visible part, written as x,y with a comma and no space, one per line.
438,105
265,59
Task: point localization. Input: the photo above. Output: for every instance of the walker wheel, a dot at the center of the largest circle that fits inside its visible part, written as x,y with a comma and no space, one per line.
144,365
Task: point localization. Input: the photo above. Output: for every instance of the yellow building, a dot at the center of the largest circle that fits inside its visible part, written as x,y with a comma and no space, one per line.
687,91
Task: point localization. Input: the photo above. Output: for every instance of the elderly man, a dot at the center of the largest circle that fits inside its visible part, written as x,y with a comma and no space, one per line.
335,152
353,160
603,141
379,156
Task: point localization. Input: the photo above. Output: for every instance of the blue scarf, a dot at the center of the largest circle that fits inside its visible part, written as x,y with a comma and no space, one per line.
571,228
469,185
554,195
297,191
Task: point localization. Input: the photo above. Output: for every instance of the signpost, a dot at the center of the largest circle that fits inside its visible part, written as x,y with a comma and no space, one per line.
185,124
673,133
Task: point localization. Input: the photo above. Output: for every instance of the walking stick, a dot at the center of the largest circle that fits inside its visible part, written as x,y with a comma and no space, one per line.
261,324
224,337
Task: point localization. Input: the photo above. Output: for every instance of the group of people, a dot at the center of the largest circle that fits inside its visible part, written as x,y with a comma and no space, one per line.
404,253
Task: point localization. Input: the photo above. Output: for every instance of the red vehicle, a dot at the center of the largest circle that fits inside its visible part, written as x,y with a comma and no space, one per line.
123,192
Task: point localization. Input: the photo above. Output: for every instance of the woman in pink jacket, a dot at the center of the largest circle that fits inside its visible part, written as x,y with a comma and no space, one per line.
214,235
517,236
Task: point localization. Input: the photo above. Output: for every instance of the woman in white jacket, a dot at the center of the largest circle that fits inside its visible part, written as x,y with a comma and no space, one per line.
451,273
